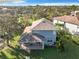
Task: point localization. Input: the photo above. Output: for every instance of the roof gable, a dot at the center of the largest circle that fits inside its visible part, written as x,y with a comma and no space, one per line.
42,24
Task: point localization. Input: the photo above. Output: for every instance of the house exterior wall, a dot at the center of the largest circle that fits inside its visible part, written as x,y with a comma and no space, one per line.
42,33
50,36
78,28
72,28
56,21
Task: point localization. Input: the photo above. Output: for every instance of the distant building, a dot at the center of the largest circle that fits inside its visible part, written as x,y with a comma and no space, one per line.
7,12
70,22
42,32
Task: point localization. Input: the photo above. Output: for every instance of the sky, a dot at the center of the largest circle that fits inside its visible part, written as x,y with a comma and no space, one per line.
38,2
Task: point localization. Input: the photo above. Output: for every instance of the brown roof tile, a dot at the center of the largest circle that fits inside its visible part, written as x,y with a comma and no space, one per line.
68,19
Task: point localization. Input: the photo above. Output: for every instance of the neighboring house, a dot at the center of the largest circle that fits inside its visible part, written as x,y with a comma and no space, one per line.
42,32
70,22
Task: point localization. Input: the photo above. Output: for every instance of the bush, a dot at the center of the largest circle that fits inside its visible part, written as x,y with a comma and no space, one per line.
75,39
62,35
59,25
60,45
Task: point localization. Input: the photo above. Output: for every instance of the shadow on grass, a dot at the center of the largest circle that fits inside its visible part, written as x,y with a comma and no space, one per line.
71,52
3,56
47,53
35,54
20,54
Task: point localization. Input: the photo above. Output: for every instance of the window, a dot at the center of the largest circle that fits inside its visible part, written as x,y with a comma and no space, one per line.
49,40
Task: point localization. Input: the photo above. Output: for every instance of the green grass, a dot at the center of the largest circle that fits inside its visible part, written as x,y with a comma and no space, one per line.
75,39
13,52
71,52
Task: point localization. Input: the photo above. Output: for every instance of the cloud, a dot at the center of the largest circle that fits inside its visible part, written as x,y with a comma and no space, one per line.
57,4
18,2
26,3
3,1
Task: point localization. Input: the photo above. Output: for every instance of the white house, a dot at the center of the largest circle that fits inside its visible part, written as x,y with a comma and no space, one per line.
71,22
40,33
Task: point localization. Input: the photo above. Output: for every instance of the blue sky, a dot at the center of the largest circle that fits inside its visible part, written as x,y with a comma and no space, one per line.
37,2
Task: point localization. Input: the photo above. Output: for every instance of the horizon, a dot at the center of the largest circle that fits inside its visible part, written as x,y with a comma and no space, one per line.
39,2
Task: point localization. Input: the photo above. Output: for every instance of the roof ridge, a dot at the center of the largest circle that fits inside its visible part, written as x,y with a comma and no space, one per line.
39,21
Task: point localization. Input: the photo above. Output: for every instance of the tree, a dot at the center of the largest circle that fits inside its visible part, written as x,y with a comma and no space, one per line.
62,35
73,8
23,21
8,27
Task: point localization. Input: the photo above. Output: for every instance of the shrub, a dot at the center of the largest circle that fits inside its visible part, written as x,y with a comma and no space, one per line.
60,45
62,35
59,25
75,39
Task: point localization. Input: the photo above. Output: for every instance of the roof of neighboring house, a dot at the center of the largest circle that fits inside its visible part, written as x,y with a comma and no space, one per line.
68,19
8,12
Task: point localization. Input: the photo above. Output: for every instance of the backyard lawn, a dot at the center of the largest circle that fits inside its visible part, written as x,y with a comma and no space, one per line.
13,52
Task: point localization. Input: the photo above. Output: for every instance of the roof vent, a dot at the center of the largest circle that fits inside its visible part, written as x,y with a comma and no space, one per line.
43,21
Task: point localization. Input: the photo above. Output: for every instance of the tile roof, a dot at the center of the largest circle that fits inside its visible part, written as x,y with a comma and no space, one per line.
68,19
34,37
38,22
44,23
35,23
31,38
27,29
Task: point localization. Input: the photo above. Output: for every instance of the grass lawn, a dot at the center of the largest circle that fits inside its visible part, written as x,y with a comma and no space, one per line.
75,39
13,52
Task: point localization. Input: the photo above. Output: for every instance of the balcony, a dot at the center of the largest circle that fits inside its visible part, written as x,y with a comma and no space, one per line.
33,46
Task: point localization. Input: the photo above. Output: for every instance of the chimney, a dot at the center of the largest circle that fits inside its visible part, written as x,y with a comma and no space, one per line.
73,13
